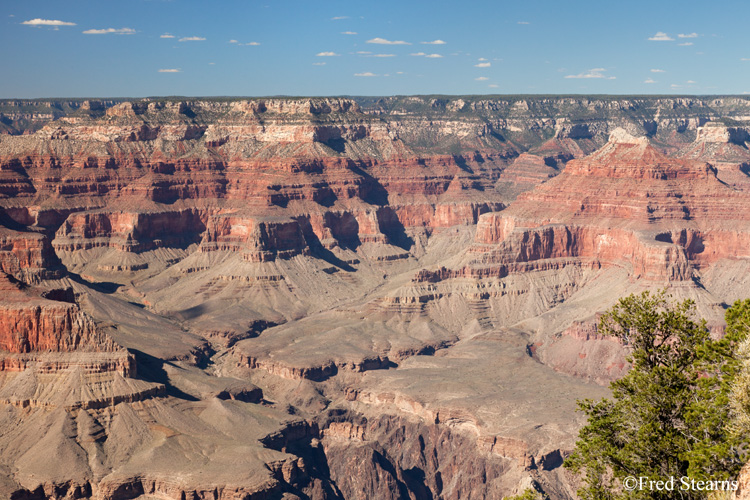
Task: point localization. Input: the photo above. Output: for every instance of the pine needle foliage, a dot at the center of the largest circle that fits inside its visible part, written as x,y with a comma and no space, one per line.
738,321
668,417
528,494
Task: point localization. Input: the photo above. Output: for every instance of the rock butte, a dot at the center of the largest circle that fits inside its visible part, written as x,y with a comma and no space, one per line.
340,298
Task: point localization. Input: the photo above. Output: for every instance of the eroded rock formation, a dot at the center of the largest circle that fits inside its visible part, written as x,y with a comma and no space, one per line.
336,298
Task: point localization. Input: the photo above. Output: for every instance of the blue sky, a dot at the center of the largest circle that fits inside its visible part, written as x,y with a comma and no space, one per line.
134,48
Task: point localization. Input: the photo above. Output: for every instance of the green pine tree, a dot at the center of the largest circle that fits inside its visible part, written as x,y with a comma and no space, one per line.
528,494
738,321
668,417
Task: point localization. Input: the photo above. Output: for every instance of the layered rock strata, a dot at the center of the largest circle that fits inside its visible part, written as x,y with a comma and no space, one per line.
627,203
289,298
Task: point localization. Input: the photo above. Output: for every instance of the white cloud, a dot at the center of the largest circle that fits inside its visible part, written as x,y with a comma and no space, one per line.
675,86
483,65
106,31
166,35
191,39
422,54
685,44
649,80
365,74
339,18
592,73
493,85
523,22
46,22
689,35
481,79
319,64
690,82
433,56
383,41
238,43
660,36
658,71
171,70
212,64
482,59
382,55
348,32
364,52
745,59
399,72
327,54
434,42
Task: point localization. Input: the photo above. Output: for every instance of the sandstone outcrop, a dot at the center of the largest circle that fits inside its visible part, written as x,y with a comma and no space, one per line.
27,255
32,323
259,239
661,220
336,298
627,202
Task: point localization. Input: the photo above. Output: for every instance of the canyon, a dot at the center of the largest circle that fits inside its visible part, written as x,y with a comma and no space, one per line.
340,298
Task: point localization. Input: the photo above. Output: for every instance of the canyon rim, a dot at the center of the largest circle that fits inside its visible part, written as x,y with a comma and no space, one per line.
341,298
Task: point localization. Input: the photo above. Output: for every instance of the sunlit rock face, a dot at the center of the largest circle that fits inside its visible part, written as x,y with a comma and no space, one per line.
336,298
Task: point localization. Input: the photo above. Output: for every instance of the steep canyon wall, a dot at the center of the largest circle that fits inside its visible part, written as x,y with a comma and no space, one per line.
338,298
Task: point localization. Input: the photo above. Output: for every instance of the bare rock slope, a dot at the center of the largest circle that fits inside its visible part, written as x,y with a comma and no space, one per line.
336,298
